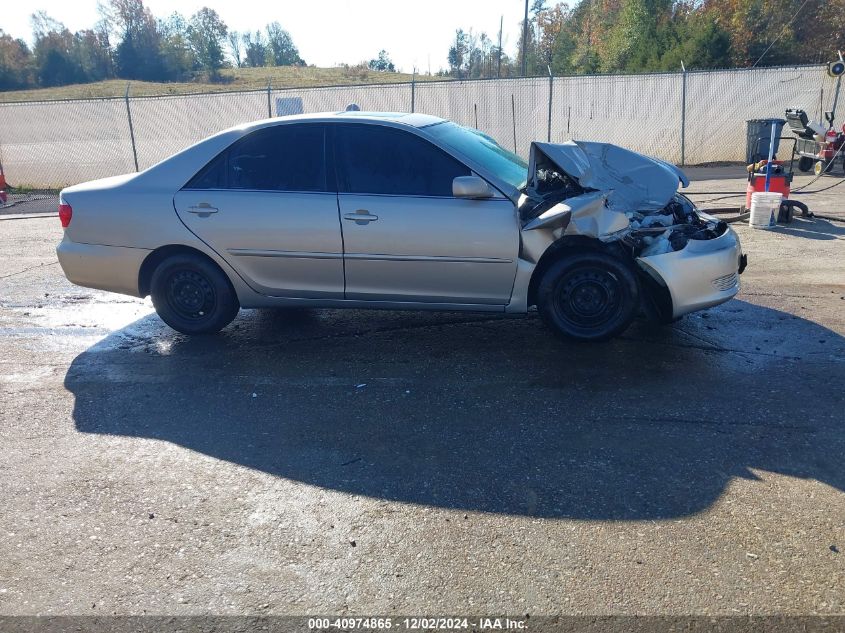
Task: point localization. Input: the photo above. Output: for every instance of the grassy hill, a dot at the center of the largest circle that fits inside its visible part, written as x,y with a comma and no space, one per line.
232,79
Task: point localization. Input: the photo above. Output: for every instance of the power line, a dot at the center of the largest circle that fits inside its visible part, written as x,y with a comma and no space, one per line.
782,31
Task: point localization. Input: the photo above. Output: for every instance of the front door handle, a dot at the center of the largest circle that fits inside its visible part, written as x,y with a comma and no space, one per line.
203,209
361,216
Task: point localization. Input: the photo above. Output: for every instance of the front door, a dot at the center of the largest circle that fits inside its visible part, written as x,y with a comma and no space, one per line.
406,237
267,207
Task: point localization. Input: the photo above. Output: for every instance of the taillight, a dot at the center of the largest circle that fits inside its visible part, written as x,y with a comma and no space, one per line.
65,214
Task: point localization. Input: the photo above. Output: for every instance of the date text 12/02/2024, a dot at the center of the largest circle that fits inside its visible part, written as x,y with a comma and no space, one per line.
416,623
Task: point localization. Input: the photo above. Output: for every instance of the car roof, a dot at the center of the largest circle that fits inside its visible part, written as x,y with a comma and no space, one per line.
411,119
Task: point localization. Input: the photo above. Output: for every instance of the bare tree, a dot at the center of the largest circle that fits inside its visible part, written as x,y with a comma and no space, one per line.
235,43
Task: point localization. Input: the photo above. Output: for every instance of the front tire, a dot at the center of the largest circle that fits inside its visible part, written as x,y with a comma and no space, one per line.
192,295
588,296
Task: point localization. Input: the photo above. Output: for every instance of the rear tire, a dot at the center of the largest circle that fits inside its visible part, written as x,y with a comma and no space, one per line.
805,163
588,296
192,295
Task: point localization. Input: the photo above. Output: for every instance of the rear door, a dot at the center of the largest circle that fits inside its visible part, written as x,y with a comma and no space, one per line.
406,237
267,206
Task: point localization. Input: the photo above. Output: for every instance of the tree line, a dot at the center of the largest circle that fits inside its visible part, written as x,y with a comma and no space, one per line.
128,42
614,36
593,36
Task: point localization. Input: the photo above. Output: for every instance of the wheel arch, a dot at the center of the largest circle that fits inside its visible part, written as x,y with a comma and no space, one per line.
156,257
567,245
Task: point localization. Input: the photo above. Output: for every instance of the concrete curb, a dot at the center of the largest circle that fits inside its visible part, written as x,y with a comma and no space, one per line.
29,216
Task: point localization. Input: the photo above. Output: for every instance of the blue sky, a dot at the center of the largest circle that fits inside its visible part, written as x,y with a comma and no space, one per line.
327,32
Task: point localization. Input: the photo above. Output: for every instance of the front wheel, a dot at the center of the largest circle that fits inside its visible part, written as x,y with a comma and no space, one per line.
588,296
192,295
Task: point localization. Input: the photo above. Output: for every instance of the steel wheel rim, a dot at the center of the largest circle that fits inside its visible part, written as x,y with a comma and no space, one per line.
589,297
190,295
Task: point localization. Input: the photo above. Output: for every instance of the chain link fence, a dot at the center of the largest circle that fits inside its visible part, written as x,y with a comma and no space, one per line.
686,118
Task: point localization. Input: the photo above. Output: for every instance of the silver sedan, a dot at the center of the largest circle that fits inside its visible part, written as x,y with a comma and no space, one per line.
399,211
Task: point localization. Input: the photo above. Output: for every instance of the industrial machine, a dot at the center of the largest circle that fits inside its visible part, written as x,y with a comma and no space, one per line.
818,149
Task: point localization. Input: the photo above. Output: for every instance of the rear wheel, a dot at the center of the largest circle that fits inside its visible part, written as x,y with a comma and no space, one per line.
588,296
805,163
192,295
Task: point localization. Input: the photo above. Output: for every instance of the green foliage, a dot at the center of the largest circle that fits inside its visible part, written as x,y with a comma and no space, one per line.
615,36
130,43
177,57
700,43
54,61
474,56
457,53
15,63
255,49
280,47
206,37
382,63
138,54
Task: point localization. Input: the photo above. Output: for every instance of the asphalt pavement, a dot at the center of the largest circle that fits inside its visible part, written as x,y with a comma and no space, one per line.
365,462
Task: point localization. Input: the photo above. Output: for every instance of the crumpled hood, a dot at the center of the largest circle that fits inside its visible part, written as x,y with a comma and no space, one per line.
632,181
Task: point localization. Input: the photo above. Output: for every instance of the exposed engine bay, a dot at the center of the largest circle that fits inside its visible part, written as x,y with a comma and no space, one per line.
612,194
670,229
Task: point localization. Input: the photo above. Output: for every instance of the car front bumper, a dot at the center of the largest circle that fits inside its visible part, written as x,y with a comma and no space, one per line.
704,273
112,268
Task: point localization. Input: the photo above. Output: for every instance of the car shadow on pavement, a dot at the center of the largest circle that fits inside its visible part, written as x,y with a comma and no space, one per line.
485,414
813,229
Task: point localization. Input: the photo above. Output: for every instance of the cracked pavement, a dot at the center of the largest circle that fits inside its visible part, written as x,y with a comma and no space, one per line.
363,462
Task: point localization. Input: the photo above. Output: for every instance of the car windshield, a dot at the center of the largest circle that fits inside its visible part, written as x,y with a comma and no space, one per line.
483,150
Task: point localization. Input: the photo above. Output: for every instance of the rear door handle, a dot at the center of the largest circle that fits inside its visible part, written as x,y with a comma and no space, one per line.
361,216
203,209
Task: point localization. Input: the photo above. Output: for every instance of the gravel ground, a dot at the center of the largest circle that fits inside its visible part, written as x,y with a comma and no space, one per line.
368,462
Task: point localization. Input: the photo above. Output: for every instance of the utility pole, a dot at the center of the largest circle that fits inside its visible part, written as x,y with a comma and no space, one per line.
836,94
499,64
524,38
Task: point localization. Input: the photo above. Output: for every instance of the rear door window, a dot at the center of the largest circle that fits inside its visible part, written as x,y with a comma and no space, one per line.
278,158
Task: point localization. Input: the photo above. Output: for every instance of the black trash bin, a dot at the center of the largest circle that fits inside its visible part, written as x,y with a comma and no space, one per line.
761,129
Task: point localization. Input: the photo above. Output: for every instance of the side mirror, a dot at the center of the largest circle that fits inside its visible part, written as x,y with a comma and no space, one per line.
471,187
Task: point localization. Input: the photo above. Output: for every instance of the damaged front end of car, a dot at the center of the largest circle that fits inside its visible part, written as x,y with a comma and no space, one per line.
586,195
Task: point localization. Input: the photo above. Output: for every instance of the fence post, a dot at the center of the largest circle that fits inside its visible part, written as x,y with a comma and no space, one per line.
131,127
269,106
683,114
513,119
551,92
413,89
